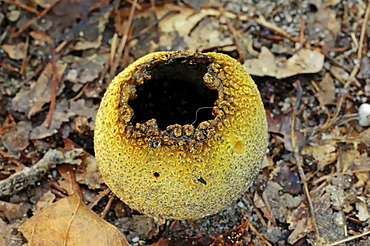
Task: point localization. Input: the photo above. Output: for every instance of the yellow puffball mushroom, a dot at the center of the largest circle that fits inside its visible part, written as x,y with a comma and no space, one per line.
180,134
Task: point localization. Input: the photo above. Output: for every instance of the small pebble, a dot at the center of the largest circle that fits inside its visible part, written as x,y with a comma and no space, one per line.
241,205
135,239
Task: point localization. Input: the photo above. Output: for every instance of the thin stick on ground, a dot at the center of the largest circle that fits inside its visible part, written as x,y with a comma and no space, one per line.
352,77
234,33
33,20
122,45
363,32
299,161
258,234
30,175
53,94
23,6
263,22
301,32
98,197
345,240
107,207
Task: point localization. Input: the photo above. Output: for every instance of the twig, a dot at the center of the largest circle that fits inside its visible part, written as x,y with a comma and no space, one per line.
11,158
9,67
353,48
5,33
23,6
81,92
37,71
297,155
29,175
301,32
107,207
234,33
98,197
53,94
33,20
113,49
122,45
255,209
25,53
319,180
350,238
263,22
126,52
268,211
258,234
363,31
352,77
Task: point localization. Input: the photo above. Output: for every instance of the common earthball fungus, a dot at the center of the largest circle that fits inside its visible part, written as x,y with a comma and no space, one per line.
180,134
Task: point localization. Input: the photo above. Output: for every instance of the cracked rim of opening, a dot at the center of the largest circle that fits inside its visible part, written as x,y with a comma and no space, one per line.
186,136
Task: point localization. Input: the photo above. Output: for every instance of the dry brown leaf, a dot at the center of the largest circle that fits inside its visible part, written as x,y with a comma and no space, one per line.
351,159
14,51
88,44
182,22
323,154
85,70
365,136
13,211
45,3
61,114
363,213
304,61
190,26
70,222
41,36
145,226
282,124
300,222
6,233
45,200
339,73
327,93
17,140
88,173
68,183
329,222
30,100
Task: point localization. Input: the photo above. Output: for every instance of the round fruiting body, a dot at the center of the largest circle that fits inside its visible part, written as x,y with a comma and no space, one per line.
180,134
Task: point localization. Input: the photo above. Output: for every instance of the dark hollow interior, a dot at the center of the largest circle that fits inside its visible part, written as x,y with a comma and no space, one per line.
176,94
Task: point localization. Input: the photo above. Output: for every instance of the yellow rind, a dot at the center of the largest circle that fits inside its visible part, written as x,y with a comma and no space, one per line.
228,164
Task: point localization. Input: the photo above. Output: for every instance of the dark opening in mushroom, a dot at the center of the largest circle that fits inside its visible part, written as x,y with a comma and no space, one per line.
175,94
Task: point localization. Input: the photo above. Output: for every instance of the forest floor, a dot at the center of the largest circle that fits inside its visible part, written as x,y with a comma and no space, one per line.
310,60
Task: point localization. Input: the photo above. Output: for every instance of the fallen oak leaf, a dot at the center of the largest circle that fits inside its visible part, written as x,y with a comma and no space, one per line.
70,222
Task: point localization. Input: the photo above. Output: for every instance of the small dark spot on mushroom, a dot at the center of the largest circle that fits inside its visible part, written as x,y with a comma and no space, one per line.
156,174
201,180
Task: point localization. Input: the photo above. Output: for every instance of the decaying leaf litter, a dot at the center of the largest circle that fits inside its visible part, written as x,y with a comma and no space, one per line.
311,63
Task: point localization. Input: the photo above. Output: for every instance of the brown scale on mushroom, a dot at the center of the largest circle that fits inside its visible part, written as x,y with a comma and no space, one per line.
180,134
